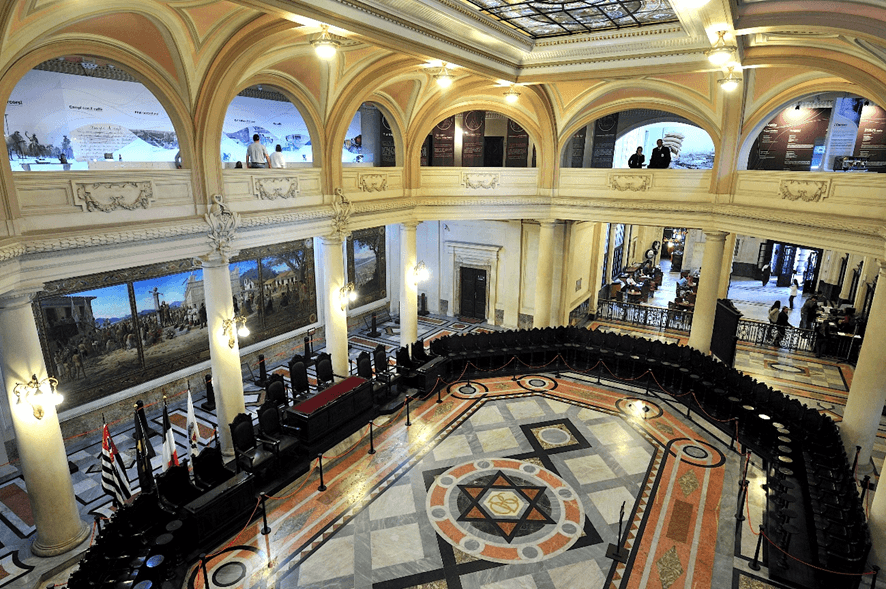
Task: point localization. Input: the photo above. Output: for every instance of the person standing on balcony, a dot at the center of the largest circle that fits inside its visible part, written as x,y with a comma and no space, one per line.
661,155
277,158
256,154
636,160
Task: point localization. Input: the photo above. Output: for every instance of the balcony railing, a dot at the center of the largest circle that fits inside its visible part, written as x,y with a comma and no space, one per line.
658,318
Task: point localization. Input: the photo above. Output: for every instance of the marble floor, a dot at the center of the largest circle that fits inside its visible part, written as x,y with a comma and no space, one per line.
507,484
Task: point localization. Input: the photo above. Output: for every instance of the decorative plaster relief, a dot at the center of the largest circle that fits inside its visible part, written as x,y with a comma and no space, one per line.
110,196
805,190
480,179
630,182
341,214
372,182
276,187
223,224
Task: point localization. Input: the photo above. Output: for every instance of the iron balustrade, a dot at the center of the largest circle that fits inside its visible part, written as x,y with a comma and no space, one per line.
760,333
645,316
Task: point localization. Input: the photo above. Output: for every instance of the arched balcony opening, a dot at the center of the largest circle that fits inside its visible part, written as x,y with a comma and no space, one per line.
86,113
611,140
267,113
832,131
370,140
478,139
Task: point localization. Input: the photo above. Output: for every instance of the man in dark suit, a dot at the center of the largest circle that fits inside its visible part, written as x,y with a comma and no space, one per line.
661,156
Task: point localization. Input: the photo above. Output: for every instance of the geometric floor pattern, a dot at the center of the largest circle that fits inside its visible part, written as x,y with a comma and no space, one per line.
375,526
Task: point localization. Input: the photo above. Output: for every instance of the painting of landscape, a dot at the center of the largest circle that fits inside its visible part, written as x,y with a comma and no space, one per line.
288,290
366,265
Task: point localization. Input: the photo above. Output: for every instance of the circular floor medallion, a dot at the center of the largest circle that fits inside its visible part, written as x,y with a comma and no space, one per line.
554,436
505,511
536,382
786,368
229,574
696,452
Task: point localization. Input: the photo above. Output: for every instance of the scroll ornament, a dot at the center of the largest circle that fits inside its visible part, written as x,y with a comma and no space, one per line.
110,196
480,180
805,190
223,225
341,214
630,182
373,182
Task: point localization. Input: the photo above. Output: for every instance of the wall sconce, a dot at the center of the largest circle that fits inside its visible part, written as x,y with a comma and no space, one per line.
325,45
230,325
420,273
37,393
443,77
347,294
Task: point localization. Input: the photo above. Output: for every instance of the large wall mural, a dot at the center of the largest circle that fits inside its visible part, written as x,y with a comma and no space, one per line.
107,332
366,265
268,114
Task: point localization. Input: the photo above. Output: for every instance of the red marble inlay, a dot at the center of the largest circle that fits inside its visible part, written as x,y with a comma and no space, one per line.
13,497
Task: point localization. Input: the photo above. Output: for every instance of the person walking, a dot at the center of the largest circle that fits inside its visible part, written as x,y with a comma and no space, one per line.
808,312
661,155
795,288
636,160
767,274
781,325
256,154
774,312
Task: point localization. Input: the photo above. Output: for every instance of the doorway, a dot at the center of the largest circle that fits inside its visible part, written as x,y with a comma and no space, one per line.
493,152
473,293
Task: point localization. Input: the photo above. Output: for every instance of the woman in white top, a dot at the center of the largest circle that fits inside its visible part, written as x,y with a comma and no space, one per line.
794,288
277,158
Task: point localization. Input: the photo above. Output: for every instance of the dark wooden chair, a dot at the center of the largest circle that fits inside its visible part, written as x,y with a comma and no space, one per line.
209,468
251,454
298,377
364,365
325,376
275,391
272,427
174,487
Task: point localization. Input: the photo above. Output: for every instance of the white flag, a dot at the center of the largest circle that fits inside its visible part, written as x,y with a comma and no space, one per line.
193,434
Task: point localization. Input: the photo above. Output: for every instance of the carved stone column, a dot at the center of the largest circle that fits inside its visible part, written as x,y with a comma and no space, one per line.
706,297
408,284
41,449
335,282
867,393
544,274
224,349
726,266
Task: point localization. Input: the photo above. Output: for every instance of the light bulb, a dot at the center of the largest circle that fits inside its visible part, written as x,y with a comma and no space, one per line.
325,45
512,96
443,77
243,331
721,53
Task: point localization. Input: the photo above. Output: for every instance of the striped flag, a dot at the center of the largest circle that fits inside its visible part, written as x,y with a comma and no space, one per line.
143,453
193,434
114,480
170,454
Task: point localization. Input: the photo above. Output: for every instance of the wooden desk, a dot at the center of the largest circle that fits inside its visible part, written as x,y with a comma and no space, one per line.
330,408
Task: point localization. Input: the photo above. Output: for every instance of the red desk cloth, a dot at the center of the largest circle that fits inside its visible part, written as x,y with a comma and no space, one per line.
329,395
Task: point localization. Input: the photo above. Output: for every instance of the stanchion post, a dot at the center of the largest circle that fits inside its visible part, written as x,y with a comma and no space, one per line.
371,441
265,530
98,523
307,341
322,487
864,486
876,573
755,564
742,490
855,462
734,435
262,370
439,393
205,573
408,423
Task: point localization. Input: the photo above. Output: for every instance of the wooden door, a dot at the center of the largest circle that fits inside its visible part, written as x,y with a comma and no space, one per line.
784,271
473,293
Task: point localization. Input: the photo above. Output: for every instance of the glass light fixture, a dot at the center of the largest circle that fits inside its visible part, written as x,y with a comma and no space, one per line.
229,327
347,294
38,393
325,45
730,82
443,77
721,53
420,273
512,95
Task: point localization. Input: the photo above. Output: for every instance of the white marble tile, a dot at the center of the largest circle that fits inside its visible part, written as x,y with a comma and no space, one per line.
634,459
608,503
589,469
557,406
589,414
497,439
317,567
396,546
487,415
611,432
452,447
580,574
525,409
524,582
397,500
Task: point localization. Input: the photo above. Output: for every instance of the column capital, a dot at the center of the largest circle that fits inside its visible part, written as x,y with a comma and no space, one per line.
881,263
331,240
214,259
547,222
715,234
17,298
407,225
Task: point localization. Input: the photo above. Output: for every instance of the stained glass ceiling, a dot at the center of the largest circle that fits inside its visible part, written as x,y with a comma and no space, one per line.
548,18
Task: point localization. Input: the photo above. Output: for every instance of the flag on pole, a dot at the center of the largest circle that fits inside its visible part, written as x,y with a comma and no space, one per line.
143,452
170,454
114,480
193,434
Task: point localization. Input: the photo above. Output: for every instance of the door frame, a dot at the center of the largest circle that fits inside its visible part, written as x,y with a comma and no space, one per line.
478,257
485,275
